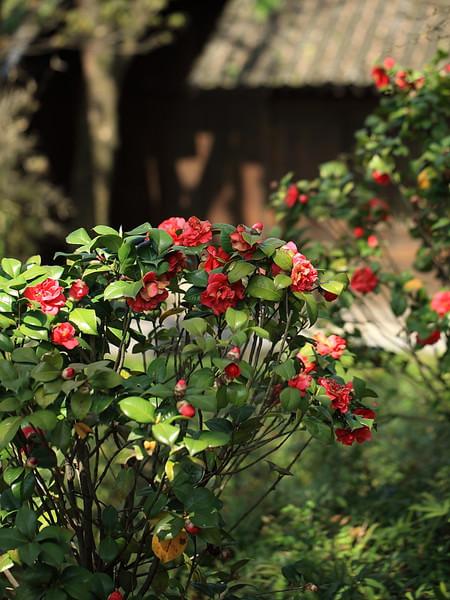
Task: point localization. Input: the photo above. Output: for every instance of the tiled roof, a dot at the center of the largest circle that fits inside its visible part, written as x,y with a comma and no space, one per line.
318,42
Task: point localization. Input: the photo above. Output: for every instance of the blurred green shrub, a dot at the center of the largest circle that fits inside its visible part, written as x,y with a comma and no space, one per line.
30,207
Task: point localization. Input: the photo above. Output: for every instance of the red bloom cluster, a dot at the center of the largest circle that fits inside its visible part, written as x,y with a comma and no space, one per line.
192,232
333,345
339,394
380,77
213,258
151,295
64,335
79,289
364,280
220,294
304,275
49,294
440,303
348,438
301,382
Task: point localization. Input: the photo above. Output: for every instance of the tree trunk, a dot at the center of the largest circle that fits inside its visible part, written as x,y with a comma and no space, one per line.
101,106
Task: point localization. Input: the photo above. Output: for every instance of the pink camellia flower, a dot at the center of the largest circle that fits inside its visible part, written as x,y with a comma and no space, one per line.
304,275
220,294
151,295
389,62
258,227
49,295
301,382
358,232
308,365
332,345
291,196
174,227
79,289
431,339
364,280
380,77
372,241
195,232
339,394
237,241
290,247
64,335
213,258
440,303
381,178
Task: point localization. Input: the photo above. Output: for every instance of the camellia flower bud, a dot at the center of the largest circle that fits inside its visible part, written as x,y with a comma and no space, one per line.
180,388
32,462
115,596
303,199
234,353
68,373
329,296
232,371
258,227
191,528
186,410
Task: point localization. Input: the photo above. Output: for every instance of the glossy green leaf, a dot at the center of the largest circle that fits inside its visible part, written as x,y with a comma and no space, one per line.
85,319
138,409
264,288
165,433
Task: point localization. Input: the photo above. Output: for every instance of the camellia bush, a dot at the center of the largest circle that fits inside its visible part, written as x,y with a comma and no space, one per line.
138,375
399,169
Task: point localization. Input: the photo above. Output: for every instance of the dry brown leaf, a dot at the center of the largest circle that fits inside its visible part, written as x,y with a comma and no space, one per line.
82,430
167,550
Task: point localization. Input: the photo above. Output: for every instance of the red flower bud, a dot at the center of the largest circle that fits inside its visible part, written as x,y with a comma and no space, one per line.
191,528
329,296
381,178
68,373
186,410
32,462
180,389
358,232
258,227
115,596
232,371
234,353
303,199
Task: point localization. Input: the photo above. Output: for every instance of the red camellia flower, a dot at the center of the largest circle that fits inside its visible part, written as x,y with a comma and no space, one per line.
345,436
440,303
291,196
339,394
213,258
31,433
78,289
301,382
372,241
220,294
64,335
177,262
332,345
151,295
303,274
232,371
389,62
381,178
258,227
367,413
358,232
380,77
48,294
362,434
174,227
237,241
195,232
431,339
401,80
364,280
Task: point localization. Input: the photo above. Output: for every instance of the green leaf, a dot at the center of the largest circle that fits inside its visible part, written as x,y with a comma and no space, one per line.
105,230
239,270
80,404
122,289
85,319
44,419
312,307
260,332
12,474
25,355
334,287
195,326
291,400
264,288
269,245
282,281
48,369
165,433
11,539
6,344
104,378
5,563
206,439
26,522
206,402
283,259
79,237
108,549
138,409
8,429
11,266
285,370
236,319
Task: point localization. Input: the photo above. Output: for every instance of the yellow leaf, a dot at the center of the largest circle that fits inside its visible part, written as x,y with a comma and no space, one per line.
82,430
413,285
150,446
167,550
423,180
